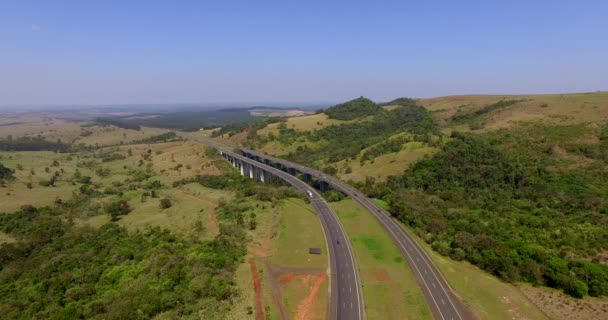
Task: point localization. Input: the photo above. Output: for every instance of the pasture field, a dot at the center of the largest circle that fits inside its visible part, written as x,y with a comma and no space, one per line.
385,276
302,123
549,108
74,132
385,165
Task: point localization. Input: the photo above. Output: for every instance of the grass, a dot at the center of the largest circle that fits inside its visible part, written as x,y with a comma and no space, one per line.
385,165
389,288
5,238
280,237
558,305
303,123
488,296
551,108
298,229
50,129
181,217
110,135
383,204
16,193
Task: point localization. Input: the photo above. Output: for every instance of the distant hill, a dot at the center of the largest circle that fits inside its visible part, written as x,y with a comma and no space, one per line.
353,109
487,112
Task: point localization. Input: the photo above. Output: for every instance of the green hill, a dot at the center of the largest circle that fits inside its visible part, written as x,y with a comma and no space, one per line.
353,109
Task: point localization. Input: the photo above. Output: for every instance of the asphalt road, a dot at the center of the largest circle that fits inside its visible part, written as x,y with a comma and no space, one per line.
346,296
442,301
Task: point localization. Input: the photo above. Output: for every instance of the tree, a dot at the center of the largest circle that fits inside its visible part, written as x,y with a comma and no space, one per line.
575,287
165,203
5,173
117,208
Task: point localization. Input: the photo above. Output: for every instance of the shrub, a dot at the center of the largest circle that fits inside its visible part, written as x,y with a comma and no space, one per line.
165,203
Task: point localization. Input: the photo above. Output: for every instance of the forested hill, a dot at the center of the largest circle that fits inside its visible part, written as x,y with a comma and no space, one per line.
353,109
516,185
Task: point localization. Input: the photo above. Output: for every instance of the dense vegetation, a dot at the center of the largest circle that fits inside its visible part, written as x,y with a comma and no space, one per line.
353,109
192,120
163,137
508,214
60,271
32,144
399,102
244,186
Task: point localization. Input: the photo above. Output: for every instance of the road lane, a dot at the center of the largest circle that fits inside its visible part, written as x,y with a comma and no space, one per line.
346,299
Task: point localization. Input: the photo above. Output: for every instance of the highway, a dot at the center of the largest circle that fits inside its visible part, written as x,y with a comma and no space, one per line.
442,301
346,296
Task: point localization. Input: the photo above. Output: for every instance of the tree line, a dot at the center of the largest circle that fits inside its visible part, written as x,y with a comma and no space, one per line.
32,144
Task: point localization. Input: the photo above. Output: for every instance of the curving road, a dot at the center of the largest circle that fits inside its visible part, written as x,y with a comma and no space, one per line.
346,297
442,301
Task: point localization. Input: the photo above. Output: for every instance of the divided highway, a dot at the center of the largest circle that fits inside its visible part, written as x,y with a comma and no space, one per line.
441,300
346,297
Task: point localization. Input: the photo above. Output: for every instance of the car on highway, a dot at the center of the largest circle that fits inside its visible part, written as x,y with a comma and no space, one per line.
309,193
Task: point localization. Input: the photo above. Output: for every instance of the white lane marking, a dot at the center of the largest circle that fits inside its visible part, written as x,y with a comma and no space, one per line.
402,232
415,265
352,262
442,301
433,283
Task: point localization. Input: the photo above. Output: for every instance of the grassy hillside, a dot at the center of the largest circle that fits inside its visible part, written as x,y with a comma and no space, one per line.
549,109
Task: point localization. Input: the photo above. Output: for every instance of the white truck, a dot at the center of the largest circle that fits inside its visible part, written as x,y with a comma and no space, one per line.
309,193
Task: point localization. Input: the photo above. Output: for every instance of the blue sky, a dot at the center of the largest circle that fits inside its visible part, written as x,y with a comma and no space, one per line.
109,52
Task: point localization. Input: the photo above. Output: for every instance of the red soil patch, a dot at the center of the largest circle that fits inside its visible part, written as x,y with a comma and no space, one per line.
382,275
286,278
257,288
306,304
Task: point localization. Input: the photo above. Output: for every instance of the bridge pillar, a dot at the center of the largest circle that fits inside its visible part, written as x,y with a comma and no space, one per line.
291,171
258,173
323,185
247,169
278,166
267,161
307,178
243,168
251,171
267,176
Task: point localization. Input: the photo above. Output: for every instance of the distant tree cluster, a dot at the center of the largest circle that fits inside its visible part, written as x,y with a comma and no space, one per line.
163,137
117,123
466,116
5,173
32,144
357,108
